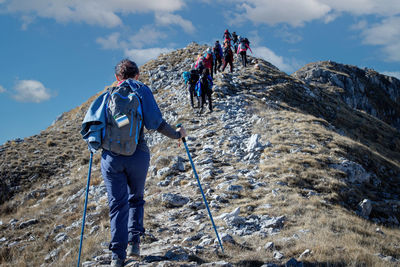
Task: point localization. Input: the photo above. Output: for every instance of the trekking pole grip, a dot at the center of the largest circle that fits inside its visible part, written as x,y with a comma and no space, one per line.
178,126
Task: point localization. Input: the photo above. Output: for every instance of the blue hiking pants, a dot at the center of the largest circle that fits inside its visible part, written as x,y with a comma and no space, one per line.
124,178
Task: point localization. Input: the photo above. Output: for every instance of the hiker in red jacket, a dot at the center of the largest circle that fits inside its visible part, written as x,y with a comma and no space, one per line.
242,49
209,61
228,56
227,36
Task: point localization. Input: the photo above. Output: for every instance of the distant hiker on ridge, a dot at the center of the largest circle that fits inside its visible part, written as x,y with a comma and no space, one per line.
218,56
199,65
228,56
203,89
125,162
209,60
227,36
243,46
235,41
193,79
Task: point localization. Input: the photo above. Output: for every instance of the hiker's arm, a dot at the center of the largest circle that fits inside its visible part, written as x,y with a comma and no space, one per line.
250,49
168,131
152,116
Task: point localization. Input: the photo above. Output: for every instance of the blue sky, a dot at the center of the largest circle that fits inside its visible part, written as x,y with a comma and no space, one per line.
55,54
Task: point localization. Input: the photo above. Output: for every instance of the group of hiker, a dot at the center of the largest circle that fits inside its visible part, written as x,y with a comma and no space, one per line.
115,123
199,79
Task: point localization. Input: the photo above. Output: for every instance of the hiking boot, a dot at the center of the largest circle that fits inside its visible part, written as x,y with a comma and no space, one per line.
117,262
133,249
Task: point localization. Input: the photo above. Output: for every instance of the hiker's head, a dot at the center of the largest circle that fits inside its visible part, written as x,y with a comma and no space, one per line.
126,69
206,72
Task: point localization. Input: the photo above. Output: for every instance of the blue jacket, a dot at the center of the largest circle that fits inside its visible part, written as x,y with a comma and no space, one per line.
94,122
218,49
201,88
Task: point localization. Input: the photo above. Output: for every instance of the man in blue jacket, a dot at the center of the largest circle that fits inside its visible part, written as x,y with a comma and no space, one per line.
124,176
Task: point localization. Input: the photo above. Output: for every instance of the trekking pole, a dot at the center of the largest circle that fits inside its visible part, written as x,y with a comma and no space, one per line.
84,210
201,189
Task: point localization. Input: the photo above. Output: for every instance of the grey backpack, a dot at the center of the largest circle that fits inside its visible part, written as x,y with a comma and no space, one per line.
124,119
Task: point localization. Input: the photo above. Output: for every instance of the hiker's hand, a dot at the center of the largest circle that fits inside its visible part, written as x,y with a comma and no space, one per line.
182,131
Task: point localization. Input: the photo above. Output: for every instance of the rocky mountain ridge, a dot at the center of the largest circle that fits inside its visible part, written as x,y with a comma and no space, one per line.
293,175
362,89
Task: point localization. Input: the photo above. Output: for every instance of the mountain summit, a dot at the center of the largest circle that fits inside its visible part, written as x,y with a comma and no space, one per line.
296,169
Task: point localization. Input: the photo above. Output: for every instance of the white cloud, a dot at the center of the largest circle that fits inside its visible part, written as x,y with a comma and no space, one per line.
385,34
171,19
152,36
116,40
276,60
267,54
298,12
287,35
2,89
31,91
361,25
141,56
111,42
365,7
395,74
94,12
293,12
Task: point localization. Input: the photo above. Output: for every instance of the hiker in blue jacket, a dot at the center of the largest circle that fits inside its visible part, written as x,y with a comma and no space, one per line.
125,176
203,89
194,77
218,56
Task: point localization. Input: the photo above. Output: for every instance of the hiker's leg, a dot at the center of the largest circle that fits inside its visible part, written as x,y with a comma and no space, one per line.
209,100
199,101
245,58
224,66
203,100
136,166
115,181
191,91
191,96
231,65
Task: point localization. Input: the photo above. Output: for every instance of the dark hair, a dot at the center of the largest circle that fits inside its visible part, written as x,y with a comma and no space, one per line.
126,69
206,72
